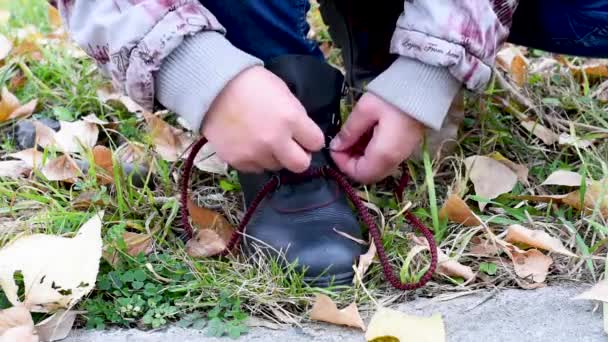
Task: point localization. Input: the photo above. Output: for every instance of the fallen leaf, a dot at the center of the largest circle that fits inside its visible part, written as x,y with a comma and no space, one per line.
13,168
520,170
512,60
11,108
132,153
73,136
547,136
5,47
108,95
87,199
490,177
564,178
536,238
136,243
102,157
388,325
170,143
58,326
16,325
54,17
483,247
598,292
567,139
92,118
531,264
365,260
446,265
325,310
212,233
45,136
596,196
63,168
31,157
57,271
456,210
207,160
542,198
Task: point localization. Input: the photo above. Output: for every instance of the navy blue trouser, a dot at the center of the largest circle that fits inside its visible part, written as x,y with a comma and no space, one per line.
269,28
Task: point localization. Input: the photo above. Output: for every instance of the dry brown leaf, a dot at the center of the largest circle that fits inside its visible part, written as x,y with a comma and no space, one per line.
11,108
5,47
57,271
596,196
536,238
598,292
325,310
31,157
446,265
563,178
13,168
87,199
512,60
102,157
171,143
490,177
542,198
58,326
483,247
547,136
63,168
16,325
531,264
212,232
207,160
365,260
132,153
136,243
45,136
92,118
456,210
54,17
388,325
108,95
73,136
520,170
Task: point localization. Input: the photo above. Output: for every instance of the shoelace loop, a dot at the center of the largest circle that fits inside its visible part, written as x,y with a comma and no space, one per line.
329,172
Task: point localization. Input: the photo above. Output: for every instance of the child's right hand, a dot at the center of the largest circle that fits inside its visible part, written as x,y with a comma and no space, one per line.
257,124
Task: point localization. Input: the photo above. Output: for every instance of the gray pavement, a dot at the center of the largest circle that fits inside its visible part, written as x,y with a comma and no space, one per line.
547,314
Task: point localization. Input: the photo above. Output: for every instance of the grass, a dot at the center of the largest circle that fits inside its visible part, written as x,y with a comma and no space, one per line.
167,285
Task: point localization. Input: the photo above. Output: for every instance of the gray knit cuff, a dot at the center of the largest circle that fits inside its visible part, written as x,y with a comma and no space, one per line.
192,76
423,91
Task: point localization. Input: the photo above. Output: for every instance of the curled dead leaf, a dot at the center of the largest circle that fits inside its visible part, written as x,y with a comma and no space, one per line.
73,136
11,108
596,197
490,177
391,325
212,232
207,160
31,157
13,168
567,139
547,136
102,157
365,261
512,60
483,247
531,264
446,265
520,170
63,168
57,271
598,292
136,243
536,238
108,95
58,326
456,210
170,143
325,310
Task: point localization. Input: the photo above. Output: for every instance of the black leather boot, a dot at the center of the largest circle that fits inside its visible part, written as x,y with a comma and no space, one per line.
299,221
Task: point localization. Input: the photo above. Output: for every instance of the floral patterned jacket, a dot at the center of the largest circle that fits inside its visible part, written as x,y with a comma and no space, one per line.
438,40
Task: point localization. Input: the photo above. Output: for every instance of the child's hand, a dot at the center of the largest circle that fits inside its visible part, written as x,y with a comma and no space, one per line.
257,124
395,136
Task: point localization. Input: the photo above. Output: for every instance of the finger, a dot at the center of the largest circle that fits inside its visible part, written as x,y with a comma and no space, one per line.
293,157
249,167
308,134
270,163
359,122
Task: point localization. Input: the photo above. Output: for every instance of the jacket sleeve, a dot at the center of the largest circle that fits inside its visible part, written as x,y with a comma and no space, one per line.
171,50
442,45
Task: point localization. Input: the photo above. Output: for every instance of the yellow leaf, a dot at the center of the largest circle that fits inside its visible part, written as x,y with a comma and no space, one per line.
392,325
535,238
213,232
8,104
54,17
325,310
456,210
57,271
490,177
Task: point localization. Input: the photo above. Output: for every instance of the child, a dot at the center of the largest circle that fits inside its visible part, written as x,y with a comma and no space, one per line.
206,62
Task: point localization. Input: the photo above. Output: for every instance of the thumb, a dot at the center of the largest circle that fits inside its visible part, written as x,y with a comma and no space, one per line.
359,122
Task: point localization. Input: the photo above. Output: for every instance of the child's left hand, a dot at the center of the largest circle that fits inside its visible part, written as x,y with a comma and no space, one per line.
395,136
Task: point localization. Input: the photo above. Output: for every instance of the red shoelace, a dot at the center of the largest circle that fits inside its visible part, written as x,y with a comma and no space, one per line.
331,173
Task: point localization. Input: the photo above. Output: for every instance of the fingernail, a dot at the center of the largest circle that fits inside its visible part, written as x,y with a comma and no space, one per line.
335,143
